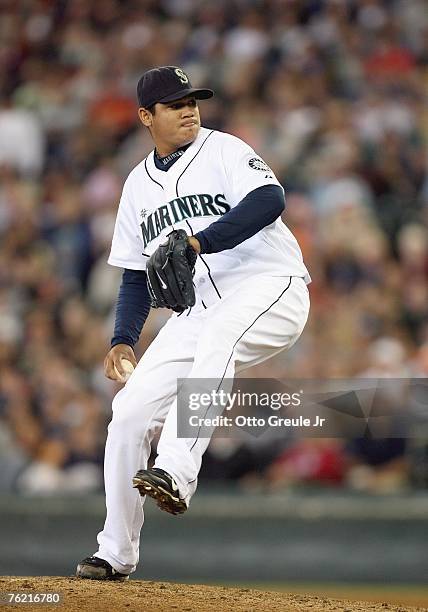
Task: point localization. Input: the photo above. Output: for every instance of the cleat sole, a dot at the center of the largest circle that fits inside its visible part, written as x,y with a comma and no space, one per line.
164,500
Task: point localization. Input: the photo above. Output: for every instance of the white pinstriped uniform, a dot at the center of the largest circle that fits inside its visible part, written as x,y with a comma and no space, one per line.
252,303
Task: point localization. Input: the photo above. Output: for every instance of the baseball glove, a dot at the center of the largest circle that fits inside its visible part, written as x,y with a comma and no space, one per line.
170,273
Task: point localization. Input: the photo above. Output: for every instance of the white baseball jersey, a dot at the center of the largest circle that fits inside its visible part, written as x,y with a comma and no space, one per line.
212,176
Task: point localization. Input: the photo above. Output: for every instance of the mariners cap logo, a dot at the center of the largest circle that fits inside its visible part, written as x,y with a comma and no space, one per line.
258,164
183,77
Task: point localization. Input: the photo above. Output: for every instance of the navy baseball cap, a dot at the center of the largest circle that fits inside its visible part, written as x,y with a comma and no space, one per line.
166,84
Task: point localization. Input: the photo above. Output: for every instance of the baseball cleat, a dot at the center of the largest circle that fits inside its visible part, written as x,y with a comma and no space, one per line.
95,568
160,486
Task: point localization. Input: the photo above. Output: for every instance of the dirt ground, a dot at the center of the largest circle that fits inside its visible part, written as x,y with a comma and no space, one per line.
136,595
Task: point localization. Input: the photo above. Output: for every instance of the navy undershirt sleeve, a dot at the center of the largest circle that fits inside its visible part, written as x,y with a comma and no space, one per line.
133,307
258,209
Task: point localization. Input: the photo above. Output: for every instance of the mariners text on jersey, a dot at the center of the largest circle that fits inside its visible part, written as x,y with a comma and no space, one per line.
180,209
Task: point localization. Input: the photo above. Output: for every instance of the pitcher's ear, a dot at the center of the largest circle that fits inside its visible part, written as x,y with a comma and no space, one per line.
146,117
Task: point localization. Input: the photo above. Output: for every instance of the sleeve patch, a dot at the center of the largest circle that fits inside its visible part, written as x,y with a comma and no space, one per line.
258,164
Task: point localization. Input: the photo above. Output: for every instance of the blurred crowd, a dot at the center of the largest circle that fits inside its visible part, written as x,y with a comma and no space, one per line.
333,95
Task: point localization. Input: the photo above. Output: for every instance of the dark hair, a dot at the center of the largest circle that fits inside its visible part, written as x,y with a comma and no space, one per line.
152,109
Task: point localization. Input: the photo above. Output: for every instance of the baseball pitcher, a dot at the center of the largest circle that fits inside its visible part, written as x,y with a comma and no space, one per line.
198,231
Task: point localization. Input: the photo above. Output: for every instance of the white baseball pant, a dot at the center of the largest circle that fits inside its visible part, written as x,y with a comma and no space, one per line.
262,317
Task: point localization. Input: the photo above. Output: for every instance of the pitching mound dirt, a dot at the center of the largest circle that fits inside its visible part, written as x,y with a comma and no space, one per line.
135,595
